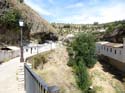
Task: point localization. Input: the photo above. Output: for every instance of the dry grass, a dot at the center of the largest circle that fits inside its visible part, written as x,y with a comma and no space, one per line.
56,72
104,81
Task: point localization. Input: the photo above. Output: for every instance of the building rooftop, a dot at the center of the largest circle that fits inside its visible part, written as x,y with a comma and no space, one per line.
109,44
102,42
13,47
115,45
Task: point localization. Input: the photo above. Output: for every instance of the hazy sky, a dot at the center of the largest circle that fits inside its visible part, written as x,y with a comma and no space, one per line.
79,11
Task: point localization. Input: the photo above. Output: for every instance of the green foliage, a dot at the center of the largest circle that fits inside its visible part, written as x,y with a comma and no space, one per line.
10,19
82,76
115,25
37,60
83,47
110,29
9,28
82,55
66,26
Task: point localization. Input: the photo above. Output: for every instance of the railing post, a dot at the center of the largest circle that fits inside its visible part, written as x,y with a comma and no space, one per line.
24,77
53,89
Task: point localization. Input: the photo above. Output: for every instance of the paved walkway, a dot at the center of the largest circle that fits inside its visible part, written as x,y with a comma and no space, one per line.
8,77
9,73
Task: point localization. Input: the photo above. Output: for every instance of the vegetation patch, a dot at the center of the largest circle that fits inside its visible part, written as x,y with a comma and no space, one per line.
38,60
82,56
10,30
56,72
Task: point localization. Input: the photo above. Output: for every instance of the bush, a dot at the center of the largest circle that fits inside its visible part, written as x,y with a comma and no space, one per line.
70,62
37,60
10,30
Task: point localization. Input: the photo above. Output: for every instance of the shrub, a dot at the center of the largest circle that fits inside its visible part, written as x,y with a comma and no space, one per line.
82,76
37,60
10,30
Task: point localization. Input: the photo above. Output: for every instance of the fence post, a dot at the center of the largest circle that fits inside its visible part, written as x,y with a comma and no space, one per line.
53,89
24,77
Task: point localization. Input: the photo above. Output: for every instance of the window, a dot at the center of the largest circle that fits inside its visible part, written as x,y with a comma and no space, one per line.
120,52
107,49
115,51
110,49
26,50
101,47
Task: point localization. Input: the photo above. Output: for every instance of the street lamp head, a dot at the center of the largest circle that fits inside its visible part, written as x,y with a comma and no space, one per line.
21,23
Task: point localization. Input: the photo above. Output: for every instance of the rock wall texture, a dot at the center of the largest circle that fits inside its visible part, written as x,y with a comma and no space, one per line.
32,18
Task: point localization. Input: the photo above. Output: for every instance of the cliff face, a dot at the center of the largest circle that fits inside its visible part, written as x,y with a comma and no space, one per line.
116,36
38,24
36,28
33,19
115,32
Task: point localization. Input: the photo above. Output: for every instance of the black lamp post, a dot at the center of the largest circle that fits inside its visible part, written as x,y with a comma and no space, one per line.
21,24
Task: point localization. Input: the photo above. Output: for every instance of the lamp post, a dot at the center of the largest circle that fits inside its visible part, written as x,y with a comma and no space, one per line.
21,24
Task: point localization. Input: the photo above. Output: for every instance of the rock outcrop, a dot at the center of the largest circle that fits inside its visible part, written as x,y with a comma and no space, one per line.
36,28
32,18
116,36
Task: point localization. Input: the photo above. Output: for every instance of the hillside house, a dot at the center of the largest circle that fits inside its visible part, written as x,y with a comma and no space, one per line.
115,52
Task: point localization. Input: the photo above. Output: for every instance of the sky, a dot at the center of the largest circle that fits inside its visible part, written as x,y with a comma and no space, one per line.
79,11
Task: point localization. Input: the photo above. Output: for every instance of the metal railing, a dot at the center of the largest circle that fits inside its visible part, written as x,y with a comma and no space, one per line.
34,84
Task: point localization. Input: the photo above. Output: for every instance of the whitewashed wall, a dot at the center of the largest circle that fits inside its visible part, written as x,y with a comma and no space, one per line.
38,49
115,53
5,55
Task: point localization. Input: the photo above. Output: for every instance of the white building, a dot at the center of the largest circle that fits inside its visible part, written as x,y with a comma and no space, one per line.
114,51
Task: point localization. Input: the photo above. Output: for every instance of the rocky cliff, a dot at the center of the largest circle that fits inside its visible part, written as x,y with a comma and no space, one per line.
36,22
115,32
10,13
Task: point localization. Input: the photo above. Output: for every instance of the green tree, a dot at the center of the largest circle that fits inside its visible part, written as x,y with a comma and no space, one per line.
83,47
82,76
82,55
